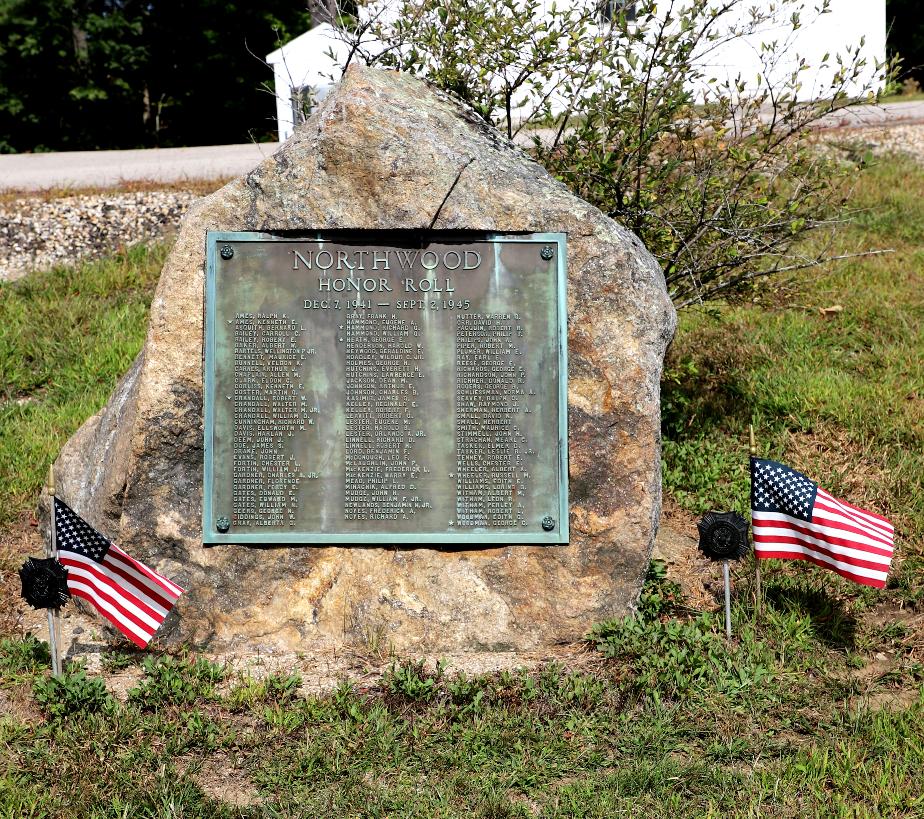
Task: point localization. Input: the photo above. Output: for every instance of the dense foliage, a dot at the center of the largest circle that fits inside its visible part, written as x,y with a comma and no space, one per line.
905,26
87,74
716,172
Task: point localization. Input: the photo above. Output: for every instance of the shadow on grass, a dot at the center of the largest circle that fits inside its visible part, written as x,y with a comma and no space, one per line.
831,623
704,387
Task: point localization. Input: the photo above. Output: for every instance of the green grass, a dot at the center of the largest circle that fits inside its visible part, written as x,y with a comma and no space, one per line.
799,716
66,336
675,721
838,396
915,97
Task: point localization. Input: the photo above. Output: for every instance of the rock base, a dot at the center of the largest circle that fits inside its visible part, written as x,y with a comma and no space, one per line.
383,151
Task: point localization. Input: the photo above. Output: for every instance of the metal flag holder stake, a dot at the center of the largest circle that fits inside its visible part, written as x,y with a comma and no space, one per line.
44,584
758,591
54,614
726,575
724,536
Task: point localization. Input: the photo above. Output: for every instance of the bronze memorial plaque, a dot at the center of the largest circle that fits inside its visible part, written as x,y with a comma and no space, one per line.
383,387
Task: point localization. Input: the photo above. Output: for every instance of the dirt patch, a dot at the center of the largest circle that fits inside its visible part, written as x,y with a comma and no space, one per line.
878,666
17,705
890,613
897,628
221,777
677,545
17,542
900,699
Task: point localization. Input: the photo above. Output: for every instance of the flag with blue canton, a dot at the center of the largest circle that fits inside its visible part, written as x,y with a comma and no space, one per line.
133,597
781,489
795,519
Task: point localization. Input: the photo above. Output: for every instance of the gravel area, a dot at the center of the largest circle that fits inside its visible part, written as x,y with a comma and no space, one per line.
38,232
896,139
900,139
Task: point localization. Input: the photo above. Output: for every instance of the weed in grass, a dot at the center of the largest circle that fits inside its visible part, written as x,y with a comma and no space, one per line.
466,693
25,656
176,681
274,688
677,658
729,750
201,733
284,718
346,702
114,661
410,680
659,595
809,612
73,692
580,690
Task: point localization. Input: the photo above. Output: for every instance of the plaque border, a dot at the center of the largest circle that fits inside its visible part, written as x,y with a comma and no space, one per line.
466,537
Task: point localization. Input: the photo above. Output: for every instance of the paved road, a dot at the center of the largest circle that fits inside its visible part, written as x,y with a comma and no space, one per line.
34,172
80,169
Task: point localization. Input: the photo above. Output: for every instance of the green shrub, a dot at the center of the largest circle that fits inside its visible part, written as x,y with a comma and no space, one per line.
411,680
25,656
722,184
71,693
176,681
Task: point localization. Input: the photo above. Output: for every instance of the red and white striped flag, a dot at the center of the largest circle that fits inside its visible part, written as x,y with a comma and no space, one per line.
795,519
134,598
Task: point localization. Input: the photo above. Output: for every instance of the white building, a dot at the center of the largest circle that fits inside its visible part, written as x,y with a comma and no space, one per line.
303,71
306,67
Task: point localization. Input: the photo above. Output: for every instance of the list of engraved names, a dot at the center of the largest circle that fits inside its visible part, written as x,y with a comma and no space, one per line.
492,471
270,409
385,364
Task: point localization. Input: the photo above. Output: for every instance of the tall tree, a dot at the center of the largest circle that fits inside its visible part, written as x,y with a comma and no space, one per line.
905,26
67,69
85,74
205,79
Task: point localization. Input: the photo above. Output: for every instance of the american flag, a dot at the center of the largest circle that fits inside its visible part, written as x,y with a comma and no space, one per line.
793,518
134,598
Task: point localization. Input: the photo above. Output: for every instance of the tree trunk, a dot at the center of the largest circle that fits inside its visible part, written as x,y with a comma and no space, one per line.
323,11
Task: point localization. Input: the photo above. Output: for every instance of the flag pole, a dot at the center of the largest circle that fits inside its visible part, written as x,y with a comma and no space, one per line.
758,591
53,613
726,576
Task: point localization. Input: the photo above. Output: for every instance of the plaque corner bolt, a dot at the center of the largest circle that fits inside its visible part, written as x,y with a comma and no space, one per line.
222,524
548,523
226,251
547,252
